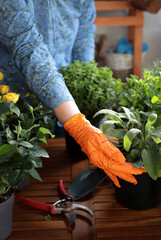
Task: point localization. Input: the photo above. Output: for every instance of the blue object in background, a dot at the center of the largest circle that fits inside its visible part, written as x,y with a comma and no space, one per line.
122,41
123,46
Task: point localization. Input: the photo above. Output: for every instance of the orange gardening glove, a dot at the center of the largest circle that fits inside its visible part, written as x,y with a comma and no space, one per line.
100,151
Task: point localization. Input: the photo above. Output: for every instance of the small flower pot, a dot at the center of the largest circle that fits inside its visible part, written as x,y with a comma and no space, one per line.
146,194
6,209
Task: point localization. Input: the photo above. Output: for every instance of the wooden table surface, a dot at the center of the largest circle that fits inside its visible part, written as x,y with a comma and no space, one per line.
111,221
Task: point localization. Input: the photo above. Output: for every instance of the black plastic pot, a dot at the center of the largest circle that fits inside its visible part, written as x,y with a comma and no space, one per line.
6,210
73,147
146,194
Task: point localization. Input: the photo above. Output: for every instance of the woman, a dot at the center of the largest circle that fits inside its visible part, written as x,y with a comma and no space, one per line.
37,38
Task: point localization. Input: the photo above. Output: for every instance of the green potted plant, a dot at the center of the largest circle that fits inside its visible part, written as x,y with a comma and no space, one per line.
92,88
20,153
140,142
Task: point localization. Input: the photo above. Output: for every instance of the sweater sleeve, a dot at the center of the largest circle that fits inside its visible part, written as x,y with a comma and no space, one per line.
18,33
84,47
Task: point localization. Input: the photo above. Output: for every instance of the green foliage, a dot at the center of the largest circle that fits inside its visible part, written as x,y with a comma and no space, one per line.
38,112
140,92
155,69
92,87
138,137
21,129
143,94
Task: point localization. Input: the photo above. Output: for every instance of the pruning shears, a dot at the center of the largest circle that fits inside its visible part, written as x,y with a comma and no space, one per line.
64,205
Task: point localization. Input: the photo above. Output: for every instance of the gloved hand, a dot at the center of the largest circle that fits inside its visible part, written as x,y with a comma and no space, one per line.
100,151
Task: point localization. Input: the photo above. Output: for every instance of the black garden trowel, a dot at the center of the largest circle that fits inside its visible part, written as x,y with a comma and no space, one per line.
86,182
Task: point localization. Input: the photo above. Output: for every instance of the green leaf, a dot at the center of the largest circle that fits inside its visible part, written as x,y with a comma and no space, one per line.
26,164
149,163
117,133
107,124
26,144
35,174
155,99
2,189
9,133
41,137
150,121
105,111
157,132
15,177
4,180
157,139
4,107
134,153
46,131
7,150
15,109
116,118
36,161
134,121
37,151
129,136
128,113
22,151
19,129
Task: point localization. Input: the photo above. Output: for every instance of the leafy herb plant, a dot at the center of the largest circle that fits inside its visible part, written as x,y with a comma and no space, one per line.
137,137
92,87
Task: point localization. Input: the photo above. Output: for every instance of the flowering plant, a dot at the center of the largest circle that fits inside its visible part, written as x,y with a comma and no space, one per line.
20,153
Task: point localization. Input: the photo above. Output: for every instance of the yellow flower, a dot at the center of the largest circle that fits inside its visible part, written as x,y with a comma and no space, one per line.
1,76
11,97
4,89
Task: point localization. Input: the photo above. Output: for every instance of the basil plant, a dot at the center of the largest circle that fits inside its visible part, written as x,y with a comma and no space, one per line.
134,132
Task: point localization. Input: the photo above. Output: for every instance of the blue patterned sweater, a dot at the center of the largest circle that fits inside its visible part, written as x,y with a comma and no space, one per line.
38,38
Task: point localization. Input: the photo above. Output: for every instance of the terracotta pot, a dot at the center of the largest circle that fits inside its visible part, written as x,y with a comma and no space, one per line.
146,194
6,210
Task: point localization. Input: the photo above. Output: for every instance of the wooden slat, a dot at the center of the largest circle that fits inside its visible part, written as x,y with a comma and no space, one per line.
45,234
125,215
43,225
138,39
132,238
151,221
112,5
129,232
119,21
